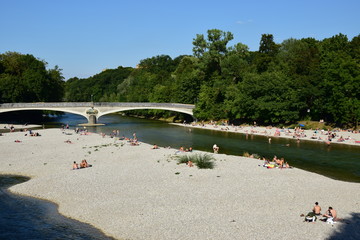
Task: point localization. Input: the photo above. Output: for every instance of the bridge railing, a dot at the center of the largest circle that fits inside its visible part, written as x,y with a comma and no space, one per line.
45,104
95,104
143,104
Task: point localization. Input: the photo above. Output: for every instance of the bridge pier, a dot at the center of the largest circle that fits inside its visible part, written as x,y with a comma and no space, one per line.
92,114
92,120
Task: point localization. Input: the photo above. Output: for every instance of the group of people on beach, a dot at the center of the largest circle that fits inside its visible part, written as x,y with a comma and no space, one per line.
330,216
32,134
83,164
182,149
276,163
297,133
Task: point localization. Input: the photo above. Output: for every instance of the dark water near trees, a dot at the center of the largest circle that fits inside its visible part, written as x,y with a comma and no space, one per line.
29,218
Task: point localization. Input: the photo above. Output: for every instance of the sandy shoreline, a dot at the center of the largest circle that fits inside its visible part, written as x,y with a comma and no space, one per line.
7,127
133,192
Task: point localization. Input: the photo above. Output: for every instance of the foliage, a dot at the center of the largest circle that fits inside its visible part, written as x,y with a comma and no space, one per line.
23,78
298,79
100,87
202,161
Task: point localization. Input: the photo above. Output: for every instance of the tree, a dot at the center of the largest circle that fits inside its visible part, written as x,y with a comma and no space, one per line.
266,54
212,51
236,63
188,78
300,60
23,78
266,98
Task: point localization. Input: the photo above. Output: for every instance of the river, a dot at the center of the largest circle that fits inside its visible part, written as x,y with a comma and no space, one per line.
29,218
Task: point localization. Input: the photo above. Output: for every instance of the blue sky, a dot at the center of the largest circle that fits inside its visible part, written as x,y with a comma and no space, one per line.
83,37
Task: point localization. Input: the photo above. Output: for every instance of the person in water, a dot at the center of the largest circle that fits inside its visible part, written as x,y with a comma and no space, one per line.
216,148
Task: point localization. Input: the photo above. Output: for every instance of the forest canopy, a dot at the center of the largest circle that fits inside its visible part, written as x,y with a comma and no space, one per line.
280,83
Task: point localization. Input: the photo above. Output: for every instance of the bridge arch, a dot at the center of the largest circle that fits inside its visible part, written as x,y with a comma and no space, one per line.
45,109
92,111
144,108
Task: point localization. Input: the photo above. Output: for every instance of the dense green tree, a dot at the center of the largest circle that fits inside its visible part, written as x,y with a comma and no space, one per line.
188,78
236,63
209,105
267,98
211,51
23,78
341,74
300,60
98,87
266,54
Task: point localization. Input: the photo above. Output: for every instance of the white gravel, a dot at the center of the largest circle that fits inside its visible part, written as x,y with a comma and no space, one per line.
133,192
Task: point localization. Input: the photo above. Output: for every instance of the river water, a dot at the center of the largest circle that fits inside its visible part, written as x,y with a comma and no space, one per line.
29,218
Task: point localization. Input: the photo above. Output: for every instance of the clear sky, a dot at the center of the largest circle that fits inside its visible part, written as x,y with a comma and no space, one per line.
83,37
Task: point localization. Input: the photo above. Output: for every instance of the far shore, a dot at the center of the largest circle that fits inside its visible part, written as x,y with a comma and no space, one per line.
341,137
136,192
15,127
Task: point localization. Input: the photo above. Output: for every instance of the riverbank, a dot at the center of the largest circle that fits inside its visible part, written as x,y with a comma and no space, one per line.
337,137
15,127
135,192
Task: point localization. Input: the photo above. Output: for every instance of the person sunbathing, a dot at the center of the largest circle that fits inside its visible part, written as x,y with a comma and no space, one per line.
287,165
317,209
330,214
75,165
341,139
281,162
84,164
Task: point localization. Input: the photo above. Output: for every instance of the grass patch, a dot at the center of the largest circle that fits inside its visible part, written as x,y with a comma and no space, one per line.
202,161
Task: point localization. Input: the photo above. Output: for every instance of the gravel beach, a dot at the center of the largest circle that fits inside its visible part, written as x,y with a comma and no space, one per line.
135,192
340,136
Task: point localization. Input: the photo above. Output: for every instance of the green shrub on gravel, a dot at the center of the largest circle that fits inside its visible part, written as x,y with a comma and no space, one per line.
203,161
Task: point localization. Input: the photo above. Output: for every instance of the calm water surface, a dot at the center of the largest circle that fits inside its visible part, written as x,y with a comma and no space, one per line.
337,161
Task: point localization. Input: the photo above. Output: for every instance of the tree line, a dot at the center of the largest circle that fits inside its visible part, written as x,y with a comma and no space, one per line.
298,79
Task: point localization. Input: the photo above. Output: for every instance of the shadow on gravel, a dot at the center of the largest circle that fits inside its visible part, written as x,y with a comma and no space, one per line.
350,228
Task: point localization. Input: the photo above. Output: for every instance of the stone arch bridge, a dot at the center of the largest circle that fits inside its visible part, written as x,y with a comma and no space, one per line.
93,110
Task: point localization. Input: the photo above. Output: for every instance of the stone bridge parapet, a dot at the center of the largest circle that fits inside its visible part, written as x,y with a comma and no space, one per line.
93,110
